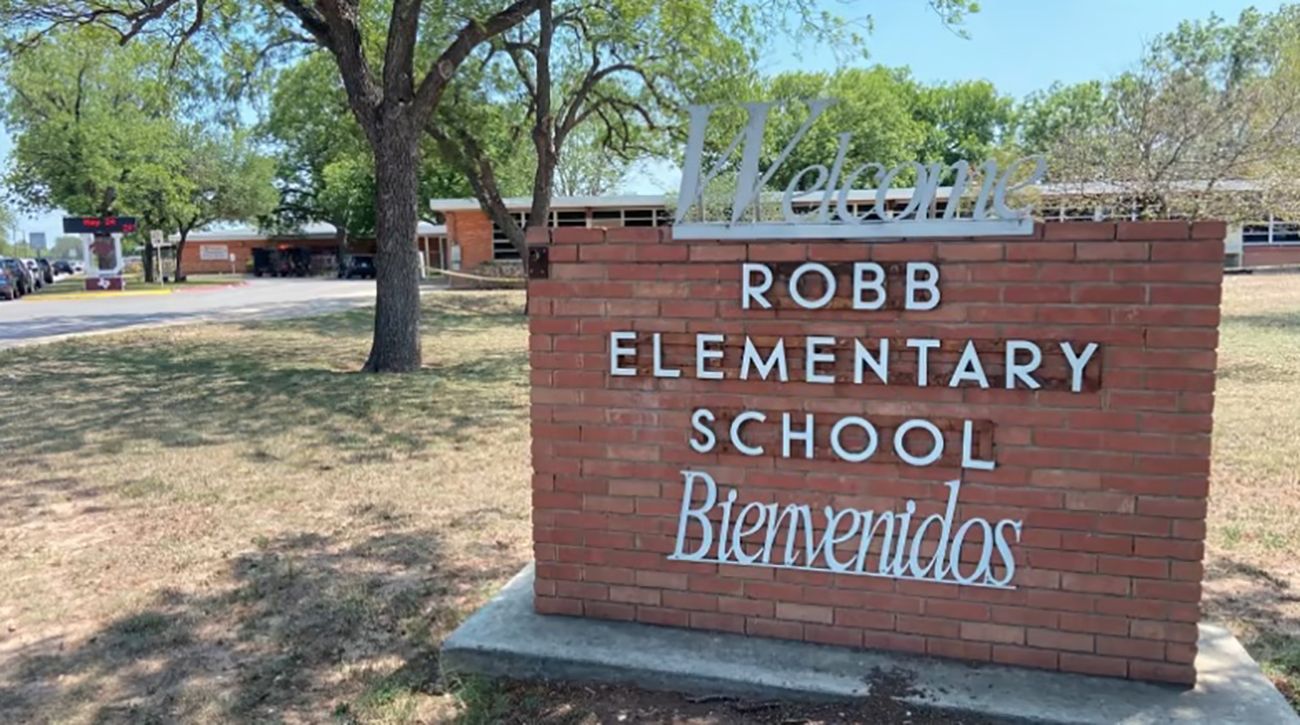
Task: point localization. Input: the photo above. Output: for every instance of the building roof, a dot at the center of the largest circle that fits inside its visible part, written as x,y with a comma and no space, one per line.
316,230
660,201
523,203
626,201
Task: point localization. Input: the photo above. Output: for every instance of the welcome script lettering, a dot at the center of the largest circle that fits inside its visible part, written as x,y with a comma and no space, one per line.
716,526
975,200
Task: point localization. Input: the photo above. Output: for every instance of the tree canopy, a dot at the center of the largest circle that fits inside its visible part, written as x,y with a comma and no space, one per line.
611,76
6,222
85,115
398,60
1206,124
324,170
100,128
323,165
375,107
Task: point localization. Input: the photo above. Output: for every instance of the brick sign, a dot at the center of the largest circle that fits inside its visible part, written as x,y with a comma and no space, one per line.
994,449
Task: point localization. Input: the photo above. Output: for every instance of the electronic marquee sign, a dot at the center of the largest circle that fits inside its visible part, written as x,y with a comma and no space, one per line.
99,225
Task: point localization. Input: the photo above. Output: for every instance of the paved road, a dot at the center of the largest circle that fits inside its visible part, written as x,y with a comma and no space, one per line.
38,320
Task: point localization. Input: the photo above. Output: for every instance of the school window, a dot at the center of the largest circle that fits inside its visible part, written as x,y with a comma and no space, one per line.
502,249
1271,232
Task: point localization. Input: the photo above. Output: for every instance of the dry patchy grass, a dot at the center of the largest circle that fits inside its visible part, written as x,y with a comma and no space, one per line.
225,523
1254,542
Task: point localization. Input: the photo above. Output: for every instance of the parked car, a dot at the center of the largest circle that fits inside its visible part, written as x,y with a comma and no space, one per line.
21,274
358,267
38,278
63,266
282,262
47,270
8,287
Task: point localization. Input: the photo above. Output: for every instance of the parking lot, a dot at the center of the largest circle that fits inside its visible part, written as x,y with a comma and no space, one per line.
38,317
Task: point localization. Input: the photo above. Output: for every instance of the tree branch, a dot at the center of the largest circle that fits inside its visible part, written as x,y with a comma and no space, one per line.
594,76
513,50
465,153
342,37
310,20
399,56
445,66
189,32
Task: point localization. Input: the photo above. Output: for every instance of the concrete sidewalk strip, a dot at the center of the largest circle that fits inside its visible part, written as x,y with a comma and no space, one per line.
506,638
22,325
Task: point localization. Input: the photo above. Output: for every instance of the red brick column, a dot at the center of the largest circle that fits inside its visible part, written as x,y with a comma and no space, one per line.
472,230
1108,484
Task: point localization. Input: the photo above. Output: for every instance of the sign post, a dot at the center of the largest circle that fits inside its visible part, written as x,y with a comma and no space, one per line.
102,240
156,242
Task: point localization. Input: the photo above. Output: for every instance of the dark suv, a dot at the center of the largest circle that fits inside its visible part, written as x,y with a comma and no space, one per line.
358,267
22,277
8,285
47,271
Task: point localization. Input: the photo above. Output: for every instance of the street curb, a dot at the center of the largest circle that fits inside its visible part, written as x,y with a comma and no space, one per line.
83,296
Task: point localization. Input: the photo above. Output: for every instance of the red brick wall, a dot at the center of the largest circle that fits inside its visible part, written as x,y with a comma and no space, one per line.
1110,483
191,263
1254,255
243,251
472,230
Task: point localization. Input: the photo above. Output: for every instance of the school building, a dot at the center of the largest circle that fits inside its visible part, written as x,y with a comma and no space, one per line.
468,242
473,239
224,251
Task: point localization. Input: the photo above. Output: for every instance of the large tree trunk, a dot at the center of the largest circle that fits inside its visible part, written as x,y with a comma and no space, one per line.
396,346
149,259
341,245
543,131
180,253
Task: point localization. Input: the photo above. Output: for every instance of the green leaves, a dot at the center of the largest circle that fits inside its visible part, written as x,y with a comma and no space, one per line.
324,168
892,117
966,120
99,127
1210,105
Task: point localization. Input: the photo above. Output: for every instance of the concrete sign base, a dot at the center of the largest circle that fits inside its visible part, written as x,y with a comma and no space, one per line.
507,638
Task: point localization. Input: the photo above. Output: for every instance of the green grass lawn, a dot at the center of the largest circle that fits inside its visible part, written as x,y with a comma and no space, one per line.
136,282
227,523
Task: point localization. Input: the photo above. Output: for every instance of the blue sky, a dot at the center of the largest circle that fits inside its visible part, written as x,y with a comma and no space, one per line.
1018,45
1023,45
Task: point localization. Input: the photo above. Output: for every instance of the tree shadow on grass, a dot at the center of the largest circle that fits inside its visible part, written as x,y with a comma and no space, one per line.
35,494
443,312
1289,320
106,395
1264,609
299,614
